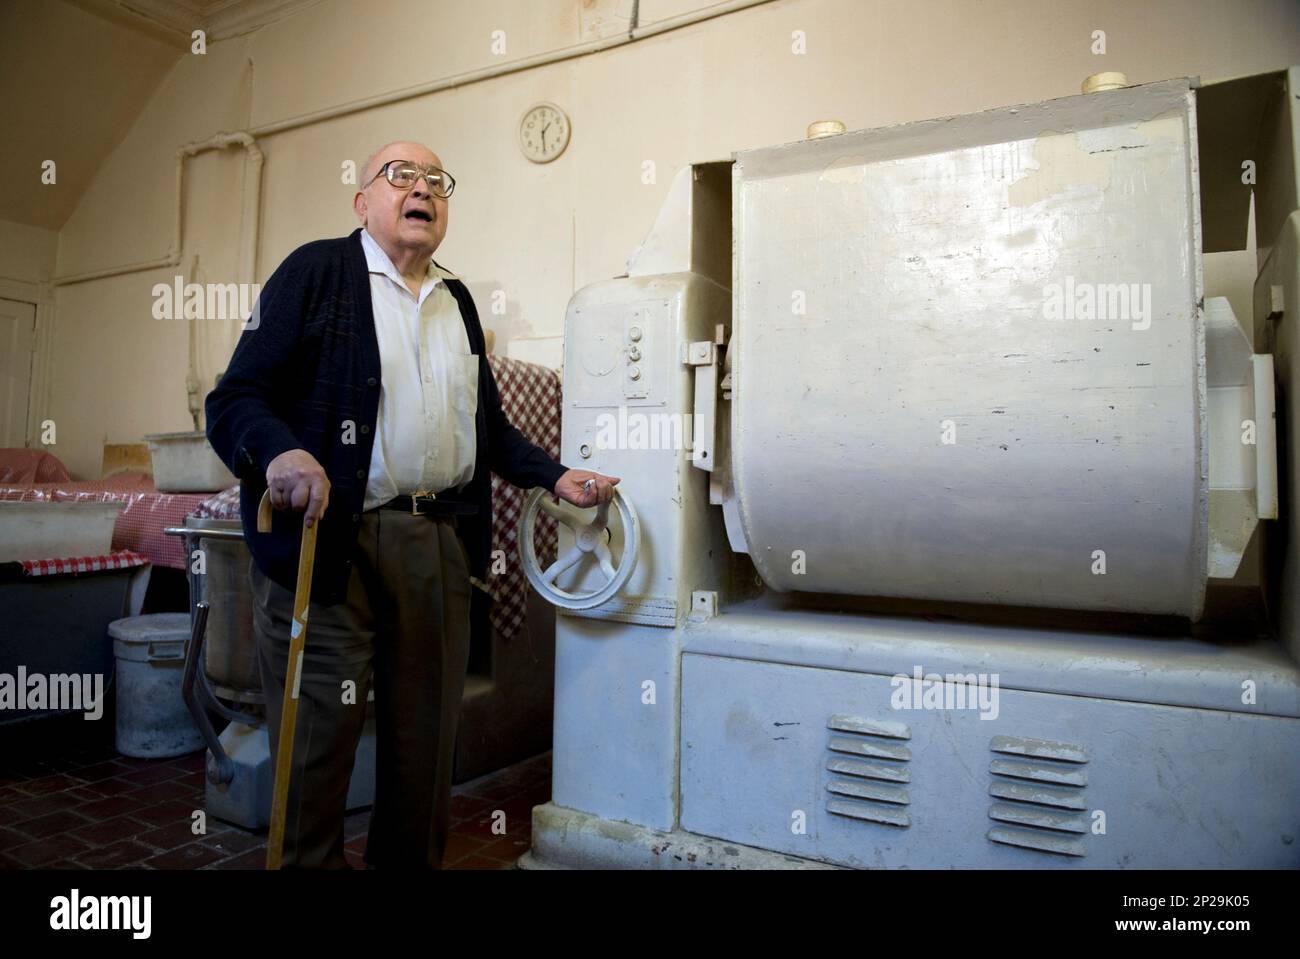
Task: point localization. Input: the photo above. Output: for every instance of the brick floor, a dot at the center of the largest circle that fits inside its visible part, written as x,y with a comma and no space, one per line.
69,801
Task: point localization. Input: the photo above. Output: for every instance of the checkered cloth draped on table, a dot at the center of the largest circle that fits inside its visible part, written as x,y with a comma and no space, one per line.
122,559
225,505
531,398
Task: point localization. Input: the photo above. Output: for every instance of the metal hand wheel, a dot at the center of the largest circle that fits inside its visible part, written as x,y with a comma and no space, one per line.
589,539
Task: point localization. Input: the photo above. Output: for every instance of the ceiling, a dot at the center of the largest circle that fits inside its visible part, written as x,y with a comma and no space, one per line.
77,73
175,19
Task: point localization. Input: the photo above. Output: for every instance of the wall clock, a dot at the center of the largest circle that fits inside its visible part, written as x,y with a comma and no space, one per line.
543,132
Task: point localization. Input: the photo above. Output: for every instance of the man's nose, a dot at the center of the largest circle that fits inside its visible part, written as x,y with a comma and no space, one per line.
423,186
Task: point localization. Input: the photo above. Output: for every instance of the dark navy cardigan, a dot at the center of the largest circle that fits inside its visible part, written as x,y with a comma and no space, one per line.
307,368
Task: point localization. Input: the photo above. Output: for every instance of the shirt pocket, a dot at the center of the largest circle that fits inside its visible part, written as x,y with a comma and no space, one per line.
464,371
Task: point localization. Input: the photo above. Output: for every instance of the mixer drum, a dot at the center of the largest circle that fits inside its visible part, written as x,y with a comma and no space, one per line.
968,358
229,648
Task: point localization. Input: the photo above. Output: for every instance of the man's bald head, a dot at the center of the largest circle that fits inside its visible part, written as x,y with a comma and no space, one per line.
399,150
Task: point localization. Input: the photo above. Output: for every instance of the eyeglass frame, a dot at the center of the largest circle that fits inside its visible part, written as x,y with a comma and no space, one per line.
424,171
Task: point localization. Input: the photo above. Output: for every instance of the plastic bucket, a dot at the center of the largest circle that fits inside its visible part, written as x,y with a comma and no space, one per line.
186,463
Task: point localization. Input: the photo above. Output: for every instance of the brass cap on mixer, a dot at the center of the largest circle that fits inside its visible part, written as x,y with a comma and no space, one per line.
824,128
1109,80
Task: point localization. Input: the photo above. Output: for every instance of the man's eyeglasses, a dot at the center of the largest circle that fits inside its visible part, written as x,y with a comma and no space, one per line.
403,174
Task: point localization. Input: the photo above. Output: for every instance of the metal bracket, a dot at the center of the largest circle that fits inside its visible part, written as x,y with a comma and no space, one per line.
703,355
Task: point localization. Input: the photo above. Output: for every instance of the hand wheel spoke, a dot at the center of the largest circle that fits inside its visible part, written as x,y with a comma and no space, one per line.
559,513
560,565
606,560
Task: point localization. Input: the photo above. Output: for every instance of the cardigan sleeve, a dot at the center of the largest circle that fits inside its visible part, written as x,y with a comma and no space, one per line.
511,455
243,426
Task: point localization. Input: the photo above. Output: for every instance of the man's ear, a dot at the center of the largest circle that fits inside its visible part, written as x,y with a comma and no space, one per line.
359,206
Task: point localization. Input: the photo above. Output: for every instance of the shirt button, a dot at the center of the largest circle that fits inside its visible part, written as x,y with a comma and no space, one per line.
361,474
356,517
371,381
365,428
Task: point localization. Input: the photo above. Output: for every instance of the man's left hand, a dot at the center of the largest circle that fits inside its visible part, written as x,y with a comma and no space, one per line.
585,488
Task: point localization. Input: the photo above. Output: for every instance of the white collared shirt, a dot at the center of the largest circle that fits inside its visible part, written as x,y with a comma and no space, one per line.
424,437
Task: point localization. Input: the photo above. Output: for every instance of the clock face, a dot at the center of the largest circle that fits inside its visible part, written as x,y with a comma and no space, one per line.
543,132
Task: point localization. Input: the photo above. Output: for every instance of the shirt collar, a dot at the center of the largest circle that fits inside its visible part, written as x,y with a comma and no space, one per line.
377,261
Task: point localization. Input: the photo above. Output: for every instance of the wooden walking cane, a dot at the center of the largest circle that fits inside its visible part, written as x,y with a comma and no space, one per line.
292,681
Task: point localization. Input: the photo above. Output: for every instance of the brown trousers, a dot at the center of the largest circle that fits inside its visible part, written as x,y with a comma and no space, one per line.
404,627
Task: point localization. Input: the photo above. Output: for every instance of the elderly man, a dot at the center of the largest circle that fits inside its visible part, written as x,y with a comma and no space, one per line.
362,399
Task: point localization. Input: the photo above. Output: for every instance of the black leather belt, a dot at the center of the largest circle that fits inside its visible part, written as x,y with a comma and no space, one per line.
428,504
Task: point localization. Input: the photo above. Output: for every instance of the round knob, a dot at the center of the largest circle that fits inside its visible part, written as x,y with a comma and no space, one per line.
825,128
1108,80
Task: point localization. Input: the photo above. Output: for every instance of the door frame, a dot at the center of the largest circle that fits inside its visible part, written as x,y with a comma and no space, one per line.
41,296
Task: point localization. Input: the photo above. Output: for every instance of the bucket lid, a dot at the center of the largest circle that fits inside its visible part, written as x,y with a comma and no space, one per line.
151,628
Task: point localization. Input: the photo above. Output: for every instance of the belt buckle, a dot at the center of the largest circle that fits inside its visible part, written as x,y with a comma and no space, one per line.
417,496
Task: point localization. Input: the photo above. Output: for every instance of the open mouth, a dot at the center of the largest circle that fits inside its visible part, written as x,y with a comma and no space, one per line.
421,215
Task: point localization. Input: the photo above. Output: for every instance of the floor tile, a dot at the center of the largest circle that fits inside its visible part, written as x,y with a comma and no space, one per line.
508,848
98,771
16,812
68,800
108,831
168,813
43,851
43,827
147,775
108,807
49,784
459,846
233,842
116,856
480,862
254,859
193,856
169,837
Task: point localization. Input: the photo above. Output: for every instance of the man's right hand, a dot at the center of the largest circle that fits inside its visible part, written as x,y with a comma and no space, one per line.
298,482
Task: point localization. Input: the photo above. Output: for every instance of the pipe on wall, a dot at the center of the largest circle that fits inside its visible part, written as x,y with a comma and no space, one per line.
252,205
587,48
255,157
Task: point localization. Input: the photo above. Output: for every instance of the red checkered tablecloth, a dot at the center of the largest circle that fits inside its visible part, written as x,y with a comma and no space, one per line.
225,505
122,559
531,398
145,514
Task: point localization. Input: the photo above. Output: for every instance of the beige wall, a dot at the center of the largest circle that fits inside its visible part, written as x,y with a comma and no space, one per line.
26,252
540,232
